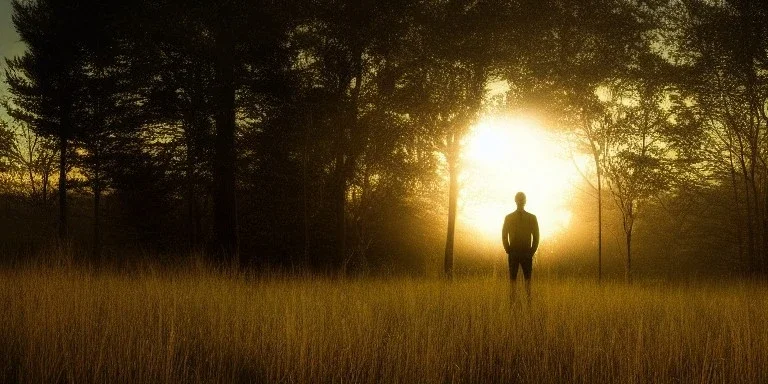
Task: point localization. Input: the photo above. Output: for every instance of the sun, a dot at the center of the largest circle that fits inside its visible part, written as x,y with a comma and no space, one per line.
504,155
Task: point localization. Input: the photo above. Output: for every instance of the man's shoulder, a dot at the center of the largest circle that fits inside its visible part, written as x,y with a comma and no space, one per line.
527,216
517,213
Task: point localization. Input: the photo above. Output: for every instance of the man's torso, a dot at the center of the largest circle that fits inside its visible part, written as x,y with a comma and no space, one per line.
520,228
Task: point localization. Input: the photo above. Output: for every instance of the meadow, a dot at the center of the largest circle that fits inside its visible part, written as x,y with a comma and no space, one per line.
77,325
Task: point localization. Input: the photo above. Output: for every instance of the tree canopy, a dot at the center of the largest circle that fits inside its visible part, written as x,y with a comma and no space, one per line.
328,134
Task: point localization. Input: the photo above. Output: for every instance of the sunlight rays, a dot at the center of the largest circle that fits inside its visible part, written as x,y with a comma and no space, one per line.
503,155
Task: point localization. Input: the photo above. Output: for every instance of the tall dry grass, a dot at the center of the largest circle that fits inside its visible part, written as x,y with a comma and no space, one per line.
70,325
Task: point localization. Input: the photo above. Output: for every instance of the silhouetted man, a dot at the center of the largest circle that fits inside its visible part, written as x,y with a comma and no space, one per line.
520,236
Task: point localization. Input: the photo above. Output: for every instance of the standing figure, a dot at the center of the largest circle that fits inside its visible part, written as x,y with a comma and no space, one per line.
520,236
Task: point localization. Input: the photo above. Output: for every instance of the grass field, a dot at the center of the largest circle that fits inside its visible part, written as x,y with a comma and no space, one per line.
71,325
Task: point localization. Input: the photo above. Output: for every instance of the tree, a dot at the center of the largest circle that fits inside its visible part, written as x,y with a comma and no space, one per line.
722,49
239,47
347,54
449,86
179,106
573,50
44,81
638,155
33,155
71,84
451,104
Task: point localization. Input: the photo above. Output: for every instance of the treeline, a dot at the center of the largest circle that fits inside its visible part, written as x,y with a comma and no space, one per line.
327,133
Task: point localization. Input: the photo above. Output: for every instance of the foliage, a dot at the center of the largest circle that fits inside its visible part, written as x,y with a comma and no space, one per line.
302,134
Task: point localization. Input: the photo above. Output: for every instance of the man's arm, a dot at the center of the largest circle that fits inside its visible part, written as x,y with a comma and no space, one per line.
535,231
505,235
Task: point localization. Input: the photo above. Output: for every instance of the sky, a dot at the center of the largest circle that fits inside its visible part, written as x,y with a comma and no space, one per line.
9,43
9,40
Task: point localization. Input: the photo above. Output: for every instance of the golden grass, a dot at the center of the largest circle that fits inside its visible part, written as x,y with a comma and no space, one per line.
65,325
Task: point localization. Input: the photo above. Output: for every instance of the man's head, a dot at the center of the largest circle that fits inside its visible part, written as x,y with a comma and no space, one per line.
520,200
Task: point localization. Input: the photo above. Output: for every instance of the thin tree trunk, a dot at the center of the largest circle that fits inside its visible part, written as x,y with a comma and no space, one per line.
97,221
305,176
29,159
751,235
736,200
348,153
44,181
192,209
453,192
599,224
628,270
763,228
757,214
628,223
340,199
193,125
748,211
63,189
224,196
598,170
31,175
46,171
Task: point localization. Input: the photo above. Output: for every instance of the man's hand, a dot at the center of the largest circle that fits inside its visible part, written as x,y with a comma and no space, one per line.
505,236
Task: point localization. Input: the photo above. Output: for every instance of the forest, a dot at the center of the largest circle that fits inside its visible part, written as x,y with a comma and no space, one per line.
328,135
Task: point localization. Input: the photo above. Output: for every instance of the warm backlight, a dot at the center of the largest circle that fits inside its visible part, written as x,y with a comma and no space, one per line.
505,155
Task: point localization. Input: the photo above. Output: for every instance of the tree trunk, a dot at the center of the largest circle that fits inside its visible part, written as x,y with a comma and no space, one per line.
31,175
44,181
224,196
749,212
348,149
97,221
194,230
599,171
757,207
738,220
599,224
63,189
339,196
340,208
628,270
629,224
762,202
453,195
751,236
193,220
305,185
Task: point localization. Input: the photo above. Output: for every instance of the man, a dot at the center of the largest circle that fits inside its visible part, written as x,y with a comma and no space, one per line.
520,236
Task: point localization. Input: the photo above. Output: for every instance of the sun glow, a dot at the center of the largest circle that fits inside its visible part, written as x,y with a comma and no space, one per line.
504,155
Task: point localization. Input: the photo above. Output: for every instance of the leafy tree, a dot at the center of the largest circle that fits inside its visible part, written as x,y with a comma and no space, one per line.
70,84
223,61
722,47
348,55
637,157
573,51
44,82
450,86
